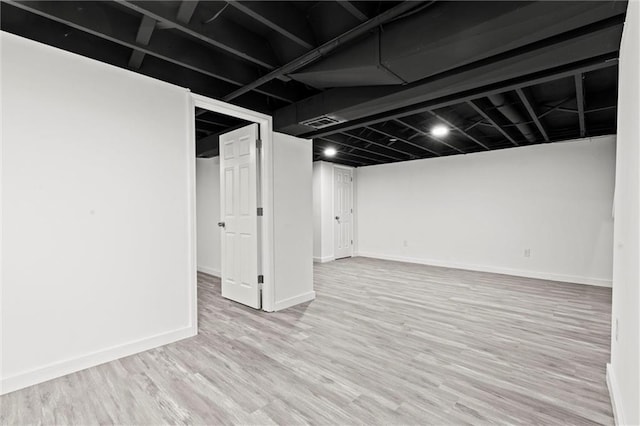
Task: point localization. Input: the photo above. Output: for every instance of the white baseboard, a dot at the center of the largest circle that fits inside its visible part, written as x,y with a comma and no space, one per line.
599,282
209,271
296,300
62,368
324,259
614,395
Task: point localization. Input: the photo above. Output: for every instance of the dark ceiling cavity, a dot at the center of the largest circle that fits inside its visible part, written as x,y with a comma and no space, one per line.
369,78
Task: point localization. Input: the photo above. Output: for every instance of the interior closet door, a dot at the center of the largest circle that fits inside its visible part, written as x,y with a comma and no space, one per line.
239,216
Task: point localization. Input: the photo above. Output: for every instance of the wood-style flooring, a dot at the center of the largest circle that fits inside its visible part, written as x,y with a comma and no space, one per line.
383,343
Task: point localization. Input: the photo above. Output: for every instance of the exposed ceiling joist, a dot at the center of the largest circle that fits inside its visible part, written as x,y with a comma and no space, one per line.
532,113
580,101
280,17
327,47
163,46
458,129
491,120
223,35
381,145
546,76
333,140
147,25
353,10
422,132
341,154
185,12
403,140
556,107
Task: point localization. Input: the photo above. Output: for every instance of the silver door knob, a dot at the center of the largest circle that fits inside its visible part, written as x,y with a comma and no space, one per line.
221,224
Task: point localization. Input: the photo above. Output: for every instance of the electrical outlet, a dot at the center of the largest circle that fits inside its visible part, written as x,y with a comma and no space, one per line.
405,243
527,252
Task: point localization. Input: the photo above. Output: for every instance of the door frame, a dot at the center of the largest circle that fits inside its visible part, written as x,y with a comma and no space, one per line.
265,231
333,207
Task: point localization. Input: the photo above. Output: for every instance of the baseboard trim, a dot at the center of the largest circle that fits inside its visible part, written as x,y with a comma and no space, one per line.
614,395
209,271
296,300
62,368
324,259
574,279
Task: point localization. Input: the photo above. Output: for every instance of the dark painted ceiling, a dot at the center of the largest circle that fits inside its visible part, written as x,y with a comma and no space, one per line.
370,79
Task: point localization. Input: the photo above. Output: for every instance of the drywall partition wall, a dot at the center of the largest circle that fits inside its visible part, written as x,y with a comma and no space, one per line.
208,213
323,211
542,211
623,374
323,214
98,213
293,220
316,179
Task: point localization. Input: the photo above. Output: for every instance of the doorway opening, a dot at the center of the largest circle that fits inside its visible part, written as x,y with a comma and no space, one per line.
231,146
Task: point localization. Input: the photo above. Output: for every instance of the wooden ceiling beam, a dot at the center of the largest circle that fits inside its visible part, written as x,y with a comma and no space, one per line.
532,113
164,45
281,17
477,108
345,144
458,129
221,33
147,25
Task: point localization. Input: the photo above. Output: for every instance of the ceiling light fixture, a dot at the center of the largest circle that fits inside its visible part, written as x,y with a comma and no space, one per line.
439,130
330,152
393,140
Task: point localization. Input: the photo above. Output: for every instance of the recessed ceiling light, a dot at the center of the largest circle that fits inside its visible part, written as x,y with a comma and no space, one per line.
393,140
330,152
439,130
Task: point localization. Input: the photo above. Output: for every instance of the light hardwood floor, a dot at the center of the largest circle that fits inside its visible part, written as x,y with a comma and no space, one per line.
383,343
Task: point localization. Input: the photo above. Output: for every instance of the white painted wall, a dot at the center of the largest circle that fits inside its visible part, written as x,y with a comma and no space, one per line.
323,214
208,212
293,220
98,200
624,371
481,211
323,211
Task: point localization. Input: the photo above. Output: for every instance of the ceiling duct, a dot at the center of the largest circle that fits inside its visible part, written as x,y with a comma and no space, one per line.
513,115
448,48
360,65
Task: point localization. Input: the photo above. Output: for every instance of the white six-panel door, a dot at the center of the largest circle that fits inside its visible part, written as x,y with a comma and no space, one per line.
343,212
238,215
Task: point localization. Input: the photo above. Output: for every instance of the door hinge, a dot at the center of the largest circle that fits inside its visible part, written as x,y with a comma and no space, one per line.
260,211
351,178
260,279
351,242
259,143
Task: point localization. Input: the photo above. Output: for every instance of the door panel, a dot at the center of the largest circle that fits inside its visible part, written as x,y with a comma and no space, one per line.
239,219
343,212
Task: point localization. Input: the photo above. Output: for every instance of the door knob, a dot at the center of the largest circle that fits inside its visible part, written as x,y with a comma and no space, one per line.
337,217
221,224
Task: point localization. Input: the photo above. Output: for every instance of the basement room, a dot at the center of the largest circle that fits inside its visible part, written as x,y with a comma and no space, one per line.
319,212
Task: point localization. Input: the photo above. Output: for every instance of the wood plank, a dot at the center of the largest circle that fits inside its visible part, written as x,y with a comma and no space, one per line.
383,343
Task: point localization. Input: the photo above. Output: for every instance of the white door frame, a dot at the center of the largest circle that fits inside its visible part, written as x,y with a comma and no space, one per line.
266,180
333,206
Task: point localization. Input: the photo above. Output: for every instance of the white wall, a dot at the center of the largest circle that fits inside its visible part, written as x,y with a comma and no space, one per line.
323,214
208,212
98,193
481,211
624,371
323,238
293,220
